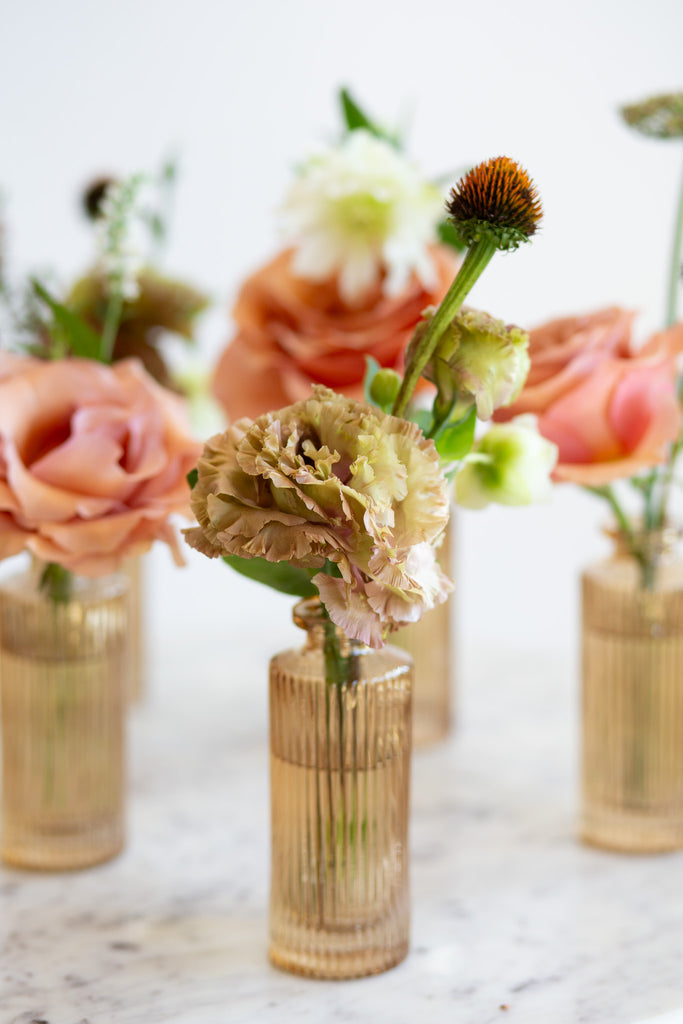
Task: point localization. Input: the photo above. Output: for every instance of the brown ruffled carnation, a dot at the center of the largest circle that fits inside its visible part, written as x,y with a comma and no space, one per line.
331,479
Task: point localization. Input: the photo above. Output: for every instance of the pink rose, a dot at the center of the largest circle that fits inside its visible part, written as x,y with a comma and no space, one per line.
612,411
292,333
93,460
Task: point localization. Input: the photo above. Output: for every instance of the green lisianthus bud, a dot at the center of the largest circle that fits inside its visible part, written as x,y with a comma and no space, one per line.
510,465
480,359
384,388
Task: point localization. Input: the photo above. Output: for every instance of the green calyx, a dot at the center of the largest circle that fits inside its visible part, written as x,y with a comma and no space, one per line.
504,238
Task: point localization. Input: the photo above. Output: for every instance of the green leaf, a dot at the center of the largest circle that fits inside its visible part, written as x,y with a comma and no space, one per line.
279,575
372,368
455,440
424,420
69,328
449,236
192,478
355,118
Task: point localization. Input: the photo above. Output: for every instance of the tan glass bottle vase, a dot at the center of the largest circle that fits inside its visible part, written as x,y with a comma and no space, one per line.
632,762
429,642
62,680
340,777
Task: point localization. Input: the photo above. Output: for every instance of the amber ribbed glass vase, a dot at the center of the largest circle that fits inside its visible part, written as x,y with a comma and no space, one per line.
633,701
340,778
429,642
62,679
134,570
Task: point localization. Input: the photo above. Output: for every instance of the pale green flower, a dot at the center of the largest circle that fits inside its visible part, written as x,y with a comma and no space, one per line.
510,465
477,359
330,479
360,210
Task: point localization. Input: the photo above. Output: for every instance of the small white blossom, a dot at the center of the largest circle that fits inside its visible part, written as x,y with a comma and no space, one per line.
120,237
510,465
358,210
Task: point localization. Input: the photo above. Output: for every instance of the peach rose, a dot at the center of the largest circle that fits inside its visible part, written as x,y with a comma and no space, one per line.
611,411
93,460
292,333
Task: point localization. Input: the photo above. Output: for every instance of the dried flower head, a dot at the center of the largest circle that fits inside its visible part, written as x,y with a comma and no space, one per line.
660,117
94,195
497,199
331,479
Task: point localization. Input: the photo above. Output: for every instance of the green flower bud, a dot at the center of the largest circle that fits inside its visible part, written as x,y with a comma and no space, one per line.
384,388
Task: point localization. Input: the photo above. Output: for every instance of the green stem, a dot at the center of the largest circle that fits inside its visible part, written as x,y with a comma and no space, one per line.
111,326
56,582
477,259
676,259
647,565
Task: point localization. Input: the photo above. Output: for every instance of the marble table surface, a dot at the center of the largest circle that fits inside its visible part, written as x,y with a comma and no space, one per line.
514,922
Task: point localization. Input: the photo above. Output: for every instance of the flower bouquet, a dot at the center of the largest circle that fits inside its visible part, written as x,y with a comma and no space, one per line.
613,409
368,250
343,504
93,461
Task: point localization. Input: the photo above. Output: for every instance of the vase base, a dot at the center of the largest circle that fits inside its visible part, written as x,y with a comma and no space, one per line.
631,833
339,966
54,851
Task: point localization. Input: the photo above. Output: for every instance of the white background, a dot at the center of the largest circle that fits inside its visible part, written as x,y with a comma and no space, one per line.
240,91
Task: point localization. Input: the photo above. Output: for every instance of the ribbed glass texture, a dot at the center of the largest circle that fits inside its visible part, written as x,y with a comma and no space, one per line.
340,780
632,764
134,570
62,679
430,644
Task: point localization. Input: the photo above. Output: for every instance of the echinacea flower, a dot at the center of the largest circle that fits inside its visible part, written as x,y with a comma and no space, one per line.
477,359
331,480
362,212
494,206
510,465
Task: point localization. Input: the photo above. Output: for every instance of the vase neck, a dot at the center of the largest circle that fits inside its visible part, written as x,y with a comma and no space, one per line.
653,546
311,616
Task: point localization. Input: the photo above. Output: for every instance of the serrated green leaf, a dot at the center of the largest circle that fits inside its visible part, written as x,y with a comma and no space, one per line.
69,328
449,236
279,575
192,478
455,440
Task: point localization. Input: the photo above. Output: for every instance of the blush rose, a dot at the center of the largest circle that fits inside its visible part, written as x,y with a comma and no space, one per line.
611,410
292,333
93,460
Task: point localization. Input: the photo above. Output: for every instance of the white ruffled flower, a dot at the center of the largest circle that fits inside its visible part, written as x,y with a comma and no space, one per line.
359,209
510,465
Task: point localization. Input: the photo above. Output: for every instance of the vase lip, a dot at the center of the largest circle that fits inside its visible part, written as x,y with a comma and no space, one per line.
657,540
308,612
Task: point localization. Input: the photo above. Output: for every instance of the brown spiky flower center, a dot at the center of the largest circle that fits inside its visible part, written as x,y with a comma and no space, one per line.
496,199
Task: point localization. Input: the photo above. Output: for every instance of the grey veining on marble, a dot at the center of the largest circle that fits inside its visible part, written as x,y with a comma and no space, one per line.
513,921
